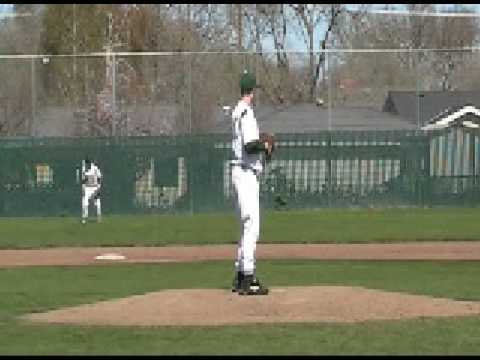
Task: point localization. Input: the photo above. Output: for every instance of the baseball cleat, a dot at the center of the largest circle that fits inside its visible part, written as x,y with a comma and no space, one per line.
251,285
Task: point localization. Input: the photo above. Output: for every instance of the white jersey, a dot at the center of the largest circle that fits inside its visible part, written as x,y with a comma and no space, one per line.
245,130
92,176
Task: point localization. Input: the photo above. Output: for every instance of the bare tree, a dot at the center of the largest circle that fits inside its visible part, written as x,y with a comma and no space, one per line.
19,35
429,69
309,18
449,33
275,25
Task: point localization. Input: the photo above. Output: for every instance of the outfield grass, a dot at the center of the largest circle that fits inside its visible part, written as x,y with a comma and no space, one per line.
41,288
320,226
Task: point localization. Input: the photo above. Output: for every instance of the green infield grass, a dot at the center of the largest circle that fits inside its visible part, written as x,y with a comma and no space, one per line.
35,289
315,226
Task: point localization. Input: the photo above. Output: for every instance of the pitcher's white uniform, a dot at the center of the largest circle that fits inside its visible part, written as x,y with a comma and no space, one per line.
91,183
246,169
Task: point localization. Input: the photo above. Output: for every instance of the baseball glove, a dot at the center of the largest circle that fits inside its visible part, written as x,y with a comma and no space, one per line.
269,141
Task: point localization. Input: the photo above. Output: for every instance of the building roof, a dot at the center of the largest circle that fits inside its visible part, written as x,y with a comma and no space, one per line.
466,116
400,112
429,104
310,118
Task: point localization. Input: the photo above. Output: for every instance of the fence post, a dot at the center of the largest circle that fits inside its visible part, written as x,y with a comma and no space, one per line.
473,152
328,180
190,173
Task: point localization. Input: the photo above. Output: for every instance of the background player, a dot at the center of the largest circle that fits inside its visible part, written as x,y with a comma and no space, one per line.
91,185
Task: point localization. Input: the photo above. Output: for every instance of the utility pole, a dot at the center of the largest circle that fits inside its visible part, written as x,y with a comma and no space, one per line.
239,28
329,72
74,42
111,70
34,98
75,94
16,14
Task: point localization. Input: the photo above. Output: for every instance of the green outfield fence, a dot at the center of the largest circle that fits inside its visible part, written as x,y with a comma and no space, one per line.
191,174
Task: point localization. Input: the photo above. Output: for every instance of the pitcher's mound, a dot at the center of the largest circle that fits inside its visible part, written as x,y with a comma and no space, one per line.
213,307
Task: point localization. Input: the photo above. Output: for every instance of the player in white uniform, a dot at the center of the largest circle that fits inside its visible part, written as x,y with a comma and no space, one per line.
246,169
91,184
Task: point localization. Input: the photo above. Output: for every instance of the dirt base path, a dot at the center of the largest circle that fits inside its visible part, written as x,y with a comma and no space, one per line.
458,250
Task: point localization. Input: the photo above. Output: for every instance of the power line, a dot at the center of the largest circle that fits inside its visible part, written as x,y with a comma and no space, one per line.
171,53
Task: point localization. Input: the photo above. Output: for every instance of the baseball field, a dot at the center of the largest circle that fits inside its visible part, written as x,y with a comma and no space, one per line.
394,281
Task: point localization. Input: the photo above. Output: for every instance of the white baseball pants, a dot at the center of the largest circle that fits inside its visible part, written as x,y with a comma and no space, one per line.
88,194
246,187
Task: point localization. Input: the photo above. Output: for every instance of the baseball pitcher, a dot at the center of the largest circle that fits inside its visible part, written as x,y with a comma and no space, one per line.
248,147
91,185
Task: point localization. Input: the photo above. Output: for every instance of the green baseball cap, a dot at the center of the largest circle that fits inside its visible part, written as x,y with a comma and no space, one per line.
247,82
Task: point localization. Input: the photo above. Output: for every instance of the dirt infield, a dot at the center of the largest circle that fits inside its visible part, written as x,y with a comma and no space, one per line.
215,307
458,250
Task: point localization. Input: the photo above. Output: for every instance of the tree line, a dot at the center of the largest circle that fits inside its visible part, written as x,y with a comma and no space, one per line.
257,37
